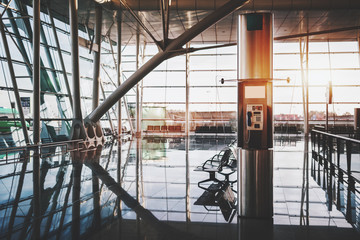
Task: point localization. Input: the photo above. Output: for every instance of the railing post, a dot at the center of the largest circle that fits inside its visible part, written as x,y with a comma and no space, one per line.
318,146
324,160
348,157
332,173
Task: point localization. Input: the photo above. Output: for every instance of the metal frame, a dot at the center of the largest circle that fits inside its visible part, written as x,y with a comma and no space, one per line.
14,83
307,34
97,55
73,9
36,72
107,113
136,17
165,19
19,44
175,44
118,69
60,54
138,120
187,92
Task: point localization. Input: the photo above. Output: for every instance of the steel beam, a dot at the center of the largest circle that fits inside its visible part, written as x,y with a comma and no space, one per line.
108,112
36,202
165,14
96,222
20,44
175,44
6,8
75,214
49,58
119,182
188,182
17,196
74,35
336,30
142,86
14,83
136,17
138,122
63,68
36,71
118,68
97,54
187,92
307,88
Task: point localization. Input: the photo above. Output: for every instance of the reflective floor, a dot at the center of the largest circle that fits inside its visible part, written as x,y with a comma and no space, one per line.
146,189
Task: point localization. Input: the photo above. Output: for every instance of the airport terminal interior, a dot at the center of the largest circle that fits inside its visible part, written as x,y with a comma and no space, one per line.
180,119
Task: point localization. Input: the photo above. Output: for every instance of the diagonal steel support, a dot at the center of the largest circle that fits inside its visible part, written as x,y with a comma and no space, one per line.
63,68
14,83
155,61
6,8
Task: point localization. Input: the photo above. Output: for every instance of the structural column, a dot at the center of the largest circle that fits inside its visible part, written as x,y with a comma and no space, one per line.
187,92
36,72
36,119
74,35
138,120
255,156
118,67
75,214
187,174
97,55
307,88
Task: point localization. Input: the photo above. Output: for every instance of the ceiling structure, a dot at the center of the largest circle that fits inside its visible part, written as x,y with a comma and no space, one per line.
290,17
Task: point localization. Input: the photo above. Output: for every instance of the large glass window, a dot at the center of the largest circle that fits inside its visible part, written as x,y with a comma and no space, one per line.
211,104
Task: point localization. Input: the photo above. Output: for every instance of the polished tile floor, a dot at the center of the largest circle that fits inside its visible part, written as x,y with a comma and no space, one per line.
146,189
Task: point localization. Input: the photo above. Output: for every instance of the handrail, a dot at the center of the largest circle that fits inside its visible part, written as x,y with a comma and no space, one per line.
34,146
38,149
337,136
323,147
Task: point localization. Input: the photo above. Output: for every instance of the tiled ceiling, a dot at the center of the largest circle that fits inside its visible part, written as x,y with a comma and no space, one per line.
290,17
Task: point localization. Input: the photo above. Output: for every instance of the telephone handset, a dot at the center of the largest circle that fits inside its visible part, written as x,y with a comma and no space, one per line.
254,117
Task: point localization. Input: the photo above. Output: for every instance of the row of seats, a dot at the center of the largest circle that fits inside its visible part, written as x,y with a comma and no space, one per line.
218,192
213,129
291,129
164,128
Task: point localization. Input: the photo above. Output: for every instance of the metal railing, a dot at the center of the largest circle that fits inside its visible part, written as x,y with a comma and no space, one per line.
22,153
339,154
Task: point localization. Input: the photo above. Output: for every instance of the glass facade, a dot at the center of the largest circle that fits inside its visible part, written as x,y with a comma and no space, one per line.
163,91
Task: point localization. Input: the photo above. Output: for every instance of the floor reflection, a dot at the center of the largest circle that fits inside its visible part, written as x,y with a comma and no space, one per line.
146,189
340,195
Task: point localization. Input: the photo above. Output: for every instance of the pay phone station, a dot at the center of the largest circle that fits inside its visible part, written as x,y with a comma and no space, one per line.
255,114
254,117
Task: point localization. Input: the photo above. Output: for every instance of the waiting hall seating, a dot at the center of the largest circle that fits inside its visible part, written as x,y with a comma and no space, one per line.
221,196
164,129
213,129
223,163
